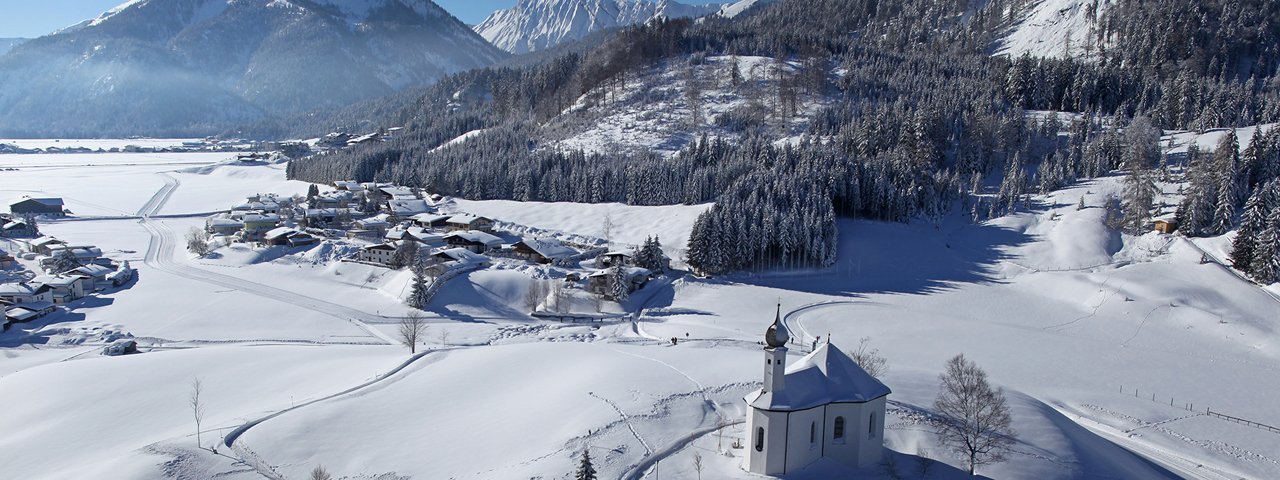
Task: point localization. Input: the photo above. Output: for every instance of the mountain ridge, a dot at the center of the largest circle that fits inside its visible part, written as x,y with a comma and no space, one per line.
533,25
194,66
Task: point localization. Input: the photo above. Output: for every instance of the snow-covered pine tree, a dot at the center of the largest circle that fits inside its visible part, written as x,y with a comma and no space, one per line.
649,256
1224,212
586,471
1139,197
619,284
1266,259
1251,224
418,286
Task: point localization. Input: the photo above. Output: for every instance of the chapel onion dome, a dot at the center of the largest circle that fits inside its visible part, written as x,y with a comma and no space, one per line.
777,335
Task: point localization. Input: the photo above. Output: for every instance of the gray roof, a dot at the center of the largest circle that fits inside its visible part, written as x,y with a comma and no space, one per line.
825,376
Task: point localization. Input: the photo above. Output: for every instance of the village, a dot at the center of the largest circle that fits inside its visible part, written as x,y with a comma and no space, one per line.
399,228
43,275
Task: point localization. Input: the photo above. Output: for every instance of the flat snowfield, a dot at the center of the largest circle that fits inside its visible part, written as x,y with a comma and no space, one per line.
1112,349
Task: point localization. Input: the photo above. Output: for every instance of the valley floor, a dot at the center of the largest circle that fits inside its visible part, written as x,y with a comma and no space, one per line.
1113,349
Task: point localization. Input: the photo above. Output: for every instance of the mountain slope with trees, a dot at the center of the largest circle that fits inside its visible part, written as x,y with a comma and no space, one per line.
919,120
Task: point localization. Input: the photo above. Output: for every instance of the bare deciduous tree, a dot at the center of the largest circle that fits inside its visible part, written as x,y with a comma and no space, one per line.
198,242
976,422
697,464
870,359
924,463
536,294
197,406
319,473
444,337
412,328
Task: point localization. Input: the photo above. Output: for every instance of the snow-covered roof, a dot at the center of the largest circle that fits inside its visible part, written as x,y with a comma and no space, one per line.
429,218
466,219
269,218
476,237
18,289
55,280
46,201
549,248
279,232
462,255
407,207
398,192
94,270
632,272
619,253
45,240
825,376
20,314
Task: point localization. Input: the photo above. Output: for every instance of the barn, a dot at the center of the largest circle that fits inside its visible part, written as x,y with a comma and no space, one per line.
48,206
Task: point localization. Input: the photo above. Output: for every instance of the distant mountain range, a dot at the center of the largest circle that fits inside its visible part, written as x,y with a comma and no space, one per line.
184,67
7,44
533,25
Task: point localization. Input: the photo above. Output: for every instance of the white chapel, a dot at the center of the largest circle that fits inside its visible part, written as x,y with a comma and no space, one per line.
823,405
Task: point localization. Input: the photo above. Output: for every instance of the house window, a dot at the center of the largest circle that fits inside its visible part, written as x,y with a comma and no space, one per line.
759,439
838,432
871,425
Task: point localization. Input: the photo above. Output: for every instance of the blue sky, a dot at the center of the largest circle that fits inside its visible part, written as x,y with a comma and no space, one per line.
33,18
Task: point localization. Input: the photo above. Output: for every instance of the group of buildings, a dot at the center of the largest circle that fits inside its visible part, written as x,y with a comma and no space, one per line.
66,272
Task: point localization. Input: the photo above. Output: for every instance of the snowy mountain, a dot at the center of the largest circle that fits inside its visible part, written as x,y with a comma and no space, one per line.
538,24
192,66
7,44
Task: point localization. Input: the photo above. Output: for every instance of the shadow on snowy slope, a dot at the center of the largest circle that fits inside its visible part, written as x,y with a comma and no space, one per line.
917,258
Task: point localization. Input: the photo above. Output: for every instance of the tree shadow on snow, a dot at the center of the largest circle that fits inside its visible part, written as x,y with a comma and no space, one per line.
36,332
883,257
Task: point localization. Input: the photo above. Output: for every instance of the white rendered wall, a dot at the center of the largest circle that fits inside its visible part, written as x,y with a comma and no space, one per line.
800,453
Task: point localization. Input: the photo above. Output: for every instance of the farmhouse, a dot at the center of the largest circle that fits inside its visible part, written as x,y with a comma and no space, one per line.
255,226
405,208
21,314
49,206
469,222
16,293
543,250
44,245
458,257
223,225
822,406
609,259
62,288
288,236
380,254
16,229
430,220
378,223
416,234
475,241
1165,224
598,281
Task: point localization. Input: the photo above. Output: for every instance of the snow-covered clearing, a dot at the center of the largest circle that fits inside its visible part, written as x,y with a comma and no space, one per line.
1052,28
655,111
1069,317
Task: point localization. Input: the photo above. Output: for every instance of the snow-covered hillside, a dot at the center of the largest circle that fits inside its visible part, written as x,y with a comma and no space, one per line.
656,111
1111,348
731,10
533,25
1053,28
156,66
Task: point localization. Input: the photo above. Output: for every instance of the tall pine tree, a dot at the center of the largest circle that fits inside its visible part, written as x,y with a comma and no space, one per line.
586,471
1251,224
1266,259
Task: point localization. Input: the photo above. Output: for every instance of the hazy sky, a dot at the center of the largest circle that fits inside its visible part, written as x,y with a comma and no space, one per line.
33,18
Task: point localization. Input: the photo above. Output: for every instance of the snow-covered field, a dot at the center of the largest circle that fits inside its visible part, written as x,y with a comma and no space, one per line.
1067,316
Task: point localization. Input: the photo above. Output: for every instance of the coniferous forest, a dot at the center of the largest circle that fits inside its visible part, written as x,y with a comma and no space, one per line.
919,120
